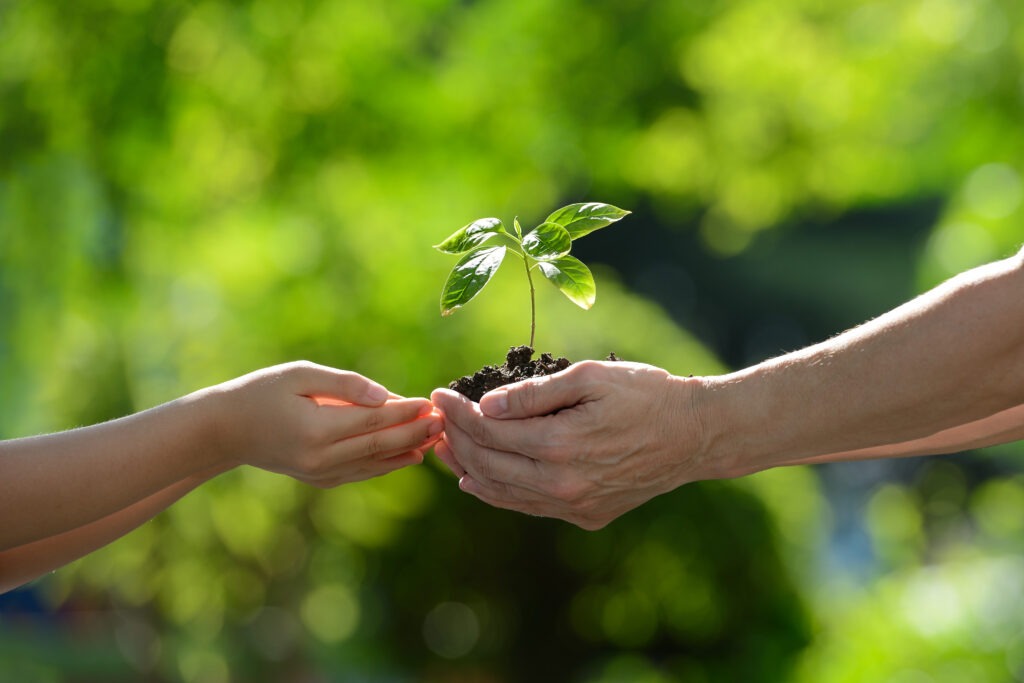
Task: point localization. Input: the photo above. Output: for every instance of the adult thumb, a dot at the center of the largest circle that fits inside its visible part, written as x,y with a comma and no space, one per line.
533,397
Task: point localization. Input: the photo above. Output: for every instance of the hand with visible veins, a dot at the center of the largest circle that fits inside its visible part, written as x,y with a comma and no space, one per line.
941,373
584,445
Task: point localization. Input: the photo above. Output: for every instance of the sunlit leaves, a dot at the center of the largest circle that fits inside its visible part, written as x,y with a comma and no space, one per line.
471,236
573,278
583,219
469,276
546,248
547,241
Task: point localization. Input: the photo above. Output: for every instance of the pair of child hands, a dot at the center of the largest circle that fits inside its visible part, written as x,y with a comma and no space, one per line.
63,495
319,425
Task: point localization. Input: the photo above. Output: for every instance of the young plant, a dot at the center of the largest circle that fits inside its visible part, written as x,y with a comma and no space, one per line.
484,243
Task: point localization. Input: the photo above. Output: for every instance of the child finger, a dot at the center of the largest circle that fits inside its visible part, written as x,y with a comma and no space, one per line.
389,440
340,422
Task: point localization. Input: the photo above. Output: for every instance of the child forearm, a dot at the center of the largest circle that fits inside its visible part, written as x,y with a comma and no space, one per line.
27,562
58,482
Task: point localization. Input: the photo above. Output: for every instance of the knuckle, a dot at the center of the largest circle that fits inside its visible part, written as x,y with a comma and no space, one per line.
589,370
374,444
485,469
312,465
297,367
590,517
590,524
479,432
569,490
579,521
349,379
528,396
373,420
291,373
481,468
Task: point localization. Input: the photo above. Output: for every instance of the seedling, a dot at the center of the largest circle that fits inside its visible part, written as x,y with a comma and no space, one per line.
484,243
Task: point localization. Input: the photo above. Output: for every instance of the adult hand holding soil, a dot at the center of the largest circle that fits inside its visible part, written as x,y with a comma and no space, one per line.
939,374
585,445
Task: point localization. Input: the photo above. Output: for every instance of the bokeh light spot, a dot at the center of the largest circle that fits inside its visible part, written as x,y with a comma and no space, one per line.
331,613
451,630
993,191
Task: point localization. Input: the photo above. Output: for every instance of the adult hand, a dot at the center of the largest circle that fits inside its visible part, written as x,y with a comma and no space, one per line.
320,425
585,445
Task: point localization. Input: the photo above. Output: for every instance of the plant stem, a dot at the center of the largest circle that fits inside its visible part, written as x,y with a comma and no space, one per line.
533,302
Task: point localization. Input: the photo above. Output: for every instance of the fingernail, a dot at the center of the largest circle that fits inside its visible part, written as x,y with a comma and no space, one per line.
495,403
436,428
427,409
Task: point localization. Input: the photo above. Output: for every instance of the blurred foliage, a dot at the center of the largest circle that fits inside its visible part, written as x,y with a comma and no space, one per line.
191,190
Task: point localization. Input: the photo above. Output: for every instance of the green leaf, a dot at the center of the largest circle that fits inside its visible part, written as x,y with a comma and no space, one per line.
471,236
572,278
583,219
469,276
547,242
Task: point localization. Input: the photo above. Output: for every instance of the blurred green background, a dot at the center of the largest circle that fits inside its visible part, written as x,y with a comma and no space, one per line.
192,190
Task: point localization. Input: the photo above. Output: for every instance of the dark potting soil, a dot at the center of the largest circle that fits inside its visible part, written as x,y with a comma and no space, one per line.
519,365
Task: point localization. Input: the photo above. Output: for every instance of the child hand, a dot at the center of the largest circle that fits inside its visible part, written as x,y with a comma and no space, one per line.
320,425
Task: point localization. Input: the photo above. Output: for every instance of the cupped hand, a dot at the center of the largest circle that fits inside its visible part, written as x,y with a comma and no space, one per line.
320,425
584,445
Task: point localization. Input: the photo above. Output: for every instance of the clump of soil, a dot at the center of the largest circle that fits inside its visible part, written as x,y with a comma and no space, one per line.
518,366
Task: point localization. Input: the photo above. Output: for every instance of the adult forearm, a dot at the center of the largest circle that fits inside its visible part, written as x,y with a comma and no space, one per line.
23,563
58,482
952,356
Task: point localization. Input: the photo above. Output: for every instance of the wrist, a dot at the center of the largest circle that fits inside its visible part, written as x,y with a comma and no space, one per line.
729,431
215,437
696,432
